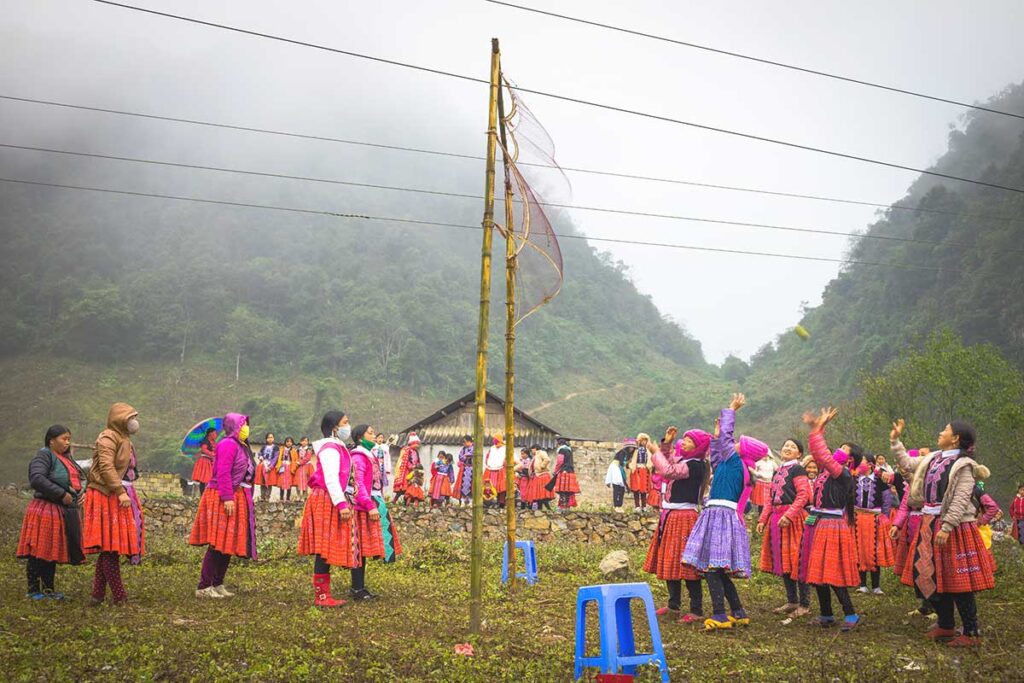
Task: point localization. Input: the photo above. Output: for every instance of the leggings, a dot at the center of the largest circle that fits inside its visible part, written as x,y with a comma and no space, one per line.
675,595
215,567
965,604
40,574
876,577
796,591
618,493
721,587
108,573
825,600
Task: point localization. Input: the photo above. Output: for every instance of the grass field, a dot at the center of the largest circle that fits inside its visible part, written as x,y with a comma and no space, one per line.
270,631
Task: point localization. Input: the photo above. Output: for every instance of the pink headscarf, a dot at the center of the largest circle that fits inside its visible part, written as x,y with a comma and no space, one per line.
701,442
751,450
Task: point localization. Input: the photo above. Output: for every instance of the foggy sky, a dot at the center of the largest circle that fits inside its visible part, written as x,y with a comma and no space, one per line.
98,55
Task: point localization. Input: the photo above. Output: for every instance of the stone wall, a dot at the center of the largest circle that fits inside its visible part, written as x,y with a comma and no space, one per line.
158,484
591,459
281,520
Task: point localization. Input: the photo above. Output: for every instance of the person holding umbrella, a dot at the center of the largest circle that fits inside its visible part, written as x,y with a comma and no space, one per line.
51,532
226,519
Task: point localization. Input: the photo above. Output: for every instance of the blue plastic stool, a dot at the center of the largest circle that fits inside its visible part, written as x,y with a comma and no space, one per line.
618,647
529,560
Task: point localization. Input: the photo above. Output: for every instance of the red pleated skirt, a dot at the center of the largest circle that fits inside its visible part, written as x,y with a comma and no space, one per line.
760,494
828,553
538,490
284,479
440,487
414,492
654,497
324,532
566,483
525,489
302,475
110,528
261,475
780,546
963,565
497,479
902,547
202,470
874,546
213,527
665,553
640,480
43,534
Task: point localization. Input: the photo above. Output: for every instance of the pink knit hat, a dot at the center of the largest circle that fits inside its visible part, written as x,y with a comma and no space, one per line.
751,450
413,439
701,441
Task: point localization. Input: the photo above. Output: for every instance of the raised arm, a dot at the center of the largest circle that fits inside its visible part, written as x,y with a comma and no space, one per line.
669,470
723,446
816,441
899,451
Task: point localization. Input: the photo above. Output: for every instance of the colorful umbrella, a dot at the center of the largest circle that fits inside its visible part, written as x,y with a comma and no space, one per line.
195,436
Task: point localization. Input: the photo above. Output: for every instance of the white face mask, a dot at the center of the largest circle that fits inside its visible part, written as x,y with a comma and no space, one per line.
133,426
344,432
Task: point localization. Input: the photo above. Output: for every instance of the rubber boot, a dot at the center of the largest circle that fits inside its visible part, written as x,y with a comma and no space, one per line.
322,590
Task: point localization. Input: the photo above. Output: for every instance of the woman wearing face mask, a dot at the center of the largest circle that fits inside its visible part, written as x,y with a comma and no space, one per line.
376,532
328,532
51,531
782,523
226,518
947,561
113,516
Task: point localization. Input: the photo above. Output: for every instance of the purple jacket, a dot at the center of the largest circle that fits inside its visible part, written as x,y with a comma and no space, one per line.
232,460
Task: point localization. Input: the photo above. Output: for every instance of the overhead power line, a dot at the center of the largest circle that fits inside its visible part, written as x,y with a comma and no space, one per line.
759,60
576,100
474,157
335,214
463,195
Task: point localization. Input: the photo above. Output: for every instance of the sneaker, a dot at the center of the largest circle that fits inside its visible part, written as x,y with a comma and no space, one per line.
662,611
964,640
223,592
362,594
208,592
799,612
823,622
37,596
691,618
851,622
878,591
863,589
54,595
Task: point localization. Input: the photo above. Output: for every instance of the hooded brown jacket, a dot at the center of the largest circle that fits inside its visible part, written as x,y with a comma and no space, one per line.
113,451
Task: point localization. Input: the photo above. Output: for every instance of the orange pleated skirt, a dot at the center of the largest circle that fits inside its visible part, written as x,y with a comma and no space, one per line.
665,553
43,533
640,480
324,532
874,547
213,527
202,470
110,528
780,546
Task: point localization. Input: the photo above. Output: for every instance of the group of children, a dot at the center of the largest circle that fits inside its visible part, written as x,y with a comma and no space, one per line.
451,476
631,470
823,525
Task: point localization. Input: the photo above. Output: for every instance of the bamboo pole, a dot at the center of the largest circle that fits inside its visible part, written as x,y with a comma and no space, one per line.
477,539
510,356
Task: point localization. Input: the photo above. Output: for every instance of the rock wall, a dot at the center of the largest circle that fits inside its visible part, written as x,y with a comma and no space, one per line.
281,520
158,484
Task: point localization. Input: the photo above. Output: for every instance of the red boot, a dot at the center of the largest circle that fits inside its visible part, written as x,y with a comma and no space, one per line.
322,590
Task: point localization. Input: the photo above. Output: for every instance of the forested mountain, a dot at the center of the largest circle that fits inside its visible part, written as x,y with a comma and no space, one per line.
966,275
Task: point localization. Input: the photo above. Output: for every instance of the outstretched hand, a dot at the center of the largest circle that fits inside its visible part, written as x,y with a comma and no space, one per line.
738,401
718,427
817,422
897,429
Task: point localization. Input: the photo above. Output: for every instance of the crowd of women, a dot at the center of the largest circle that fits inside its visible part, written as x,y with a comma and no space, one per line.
824,524
823,517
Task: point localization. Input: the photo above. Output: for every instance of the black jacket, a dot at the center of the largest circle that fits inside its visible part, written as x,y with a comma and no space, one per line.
49,478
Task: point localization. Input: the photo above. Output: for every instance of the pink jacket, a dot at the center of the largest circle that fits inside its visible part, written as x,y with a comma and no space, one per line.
333,466
363,463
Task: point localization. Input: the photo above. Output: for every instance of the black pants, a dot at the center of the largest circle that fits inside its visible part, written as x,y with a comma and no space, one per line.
202,488
544,505
796,591
359,577
721,587
40,574
675,595
965,604
825,600
876,577
618,494
639,499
